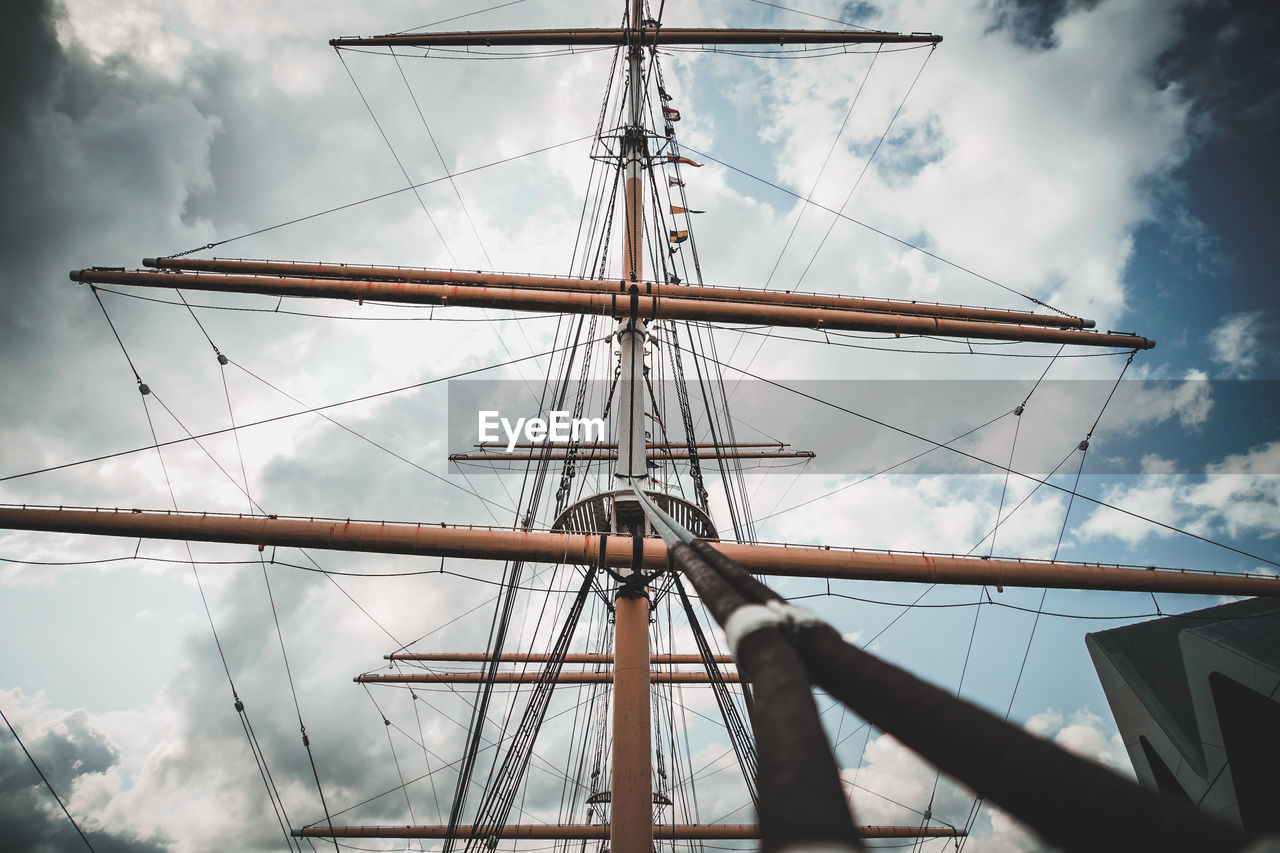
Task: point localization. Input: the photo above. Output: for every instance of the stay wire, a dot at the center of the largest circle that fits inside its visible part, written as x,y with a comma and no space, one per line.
255,505
396,157
46,781
814,188
939,445
1075,488
516,318
834,339
866,166
276,418
885,234
118,341
386,726
379,196
254,746
452,183
226,392
172,497
306,741
460,17
886,469
485,501
811,15
239,705
259,757
1004,490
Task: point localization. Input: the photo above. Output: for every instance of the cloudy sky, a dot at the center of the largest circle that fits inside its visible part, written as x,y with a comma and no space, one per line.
1114,159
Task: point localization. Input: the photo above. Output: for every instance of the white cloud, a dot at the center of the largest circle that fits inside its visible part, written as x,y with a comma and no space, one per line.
174,124
1236,343
894,786
1237,496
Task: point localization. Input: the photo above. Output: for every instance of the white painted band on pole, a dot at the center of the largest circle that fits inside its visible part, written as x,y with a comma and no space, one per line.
795,615
746,620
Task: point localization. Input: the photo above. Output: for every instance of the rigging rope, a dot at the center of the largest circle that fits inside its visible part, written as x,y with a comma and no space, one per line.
277,418
886,234
396,157
378,197
255,748
943,446
46,781
812,189
866,165
440,155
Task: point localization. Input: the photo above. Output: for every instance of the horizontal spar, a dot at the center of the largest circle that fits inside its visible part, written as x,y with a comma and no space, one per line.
577,832
602,36
596,285
587,454
485,543
614,304
611,445
657,677
543,657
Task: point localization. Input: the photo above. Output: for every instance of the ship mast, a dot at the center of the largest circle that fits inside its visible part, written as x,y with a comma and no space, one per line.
628,550
631,786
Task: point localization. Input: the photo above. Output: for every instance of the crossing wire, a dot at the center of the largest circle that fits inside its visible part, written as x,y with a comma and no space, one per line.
255,748
973,457
739,734
495,807
440,154
872,228
378,197
812,189
46,781
360,399
866,165
396,157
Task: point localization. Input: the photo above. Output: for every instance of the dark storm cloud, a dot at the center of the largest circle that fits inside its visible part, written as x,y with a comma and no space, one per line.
87,152
32,821
98,163
1030,23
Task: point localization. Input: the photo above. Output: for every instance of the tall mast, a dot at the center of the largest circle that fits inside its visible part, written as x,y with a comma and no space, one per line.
625,546
631,786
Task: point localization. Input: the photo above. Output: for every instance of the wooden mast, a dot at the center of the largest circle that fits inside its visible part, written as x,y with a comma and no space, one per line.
631,773
631,301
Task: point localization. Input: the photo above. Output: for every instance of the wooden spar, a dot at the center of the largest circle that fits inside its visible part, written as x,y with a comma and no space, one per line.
662,307
576,832
587,549
609,445
542,657
588,454
614,37
543,282
655,677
